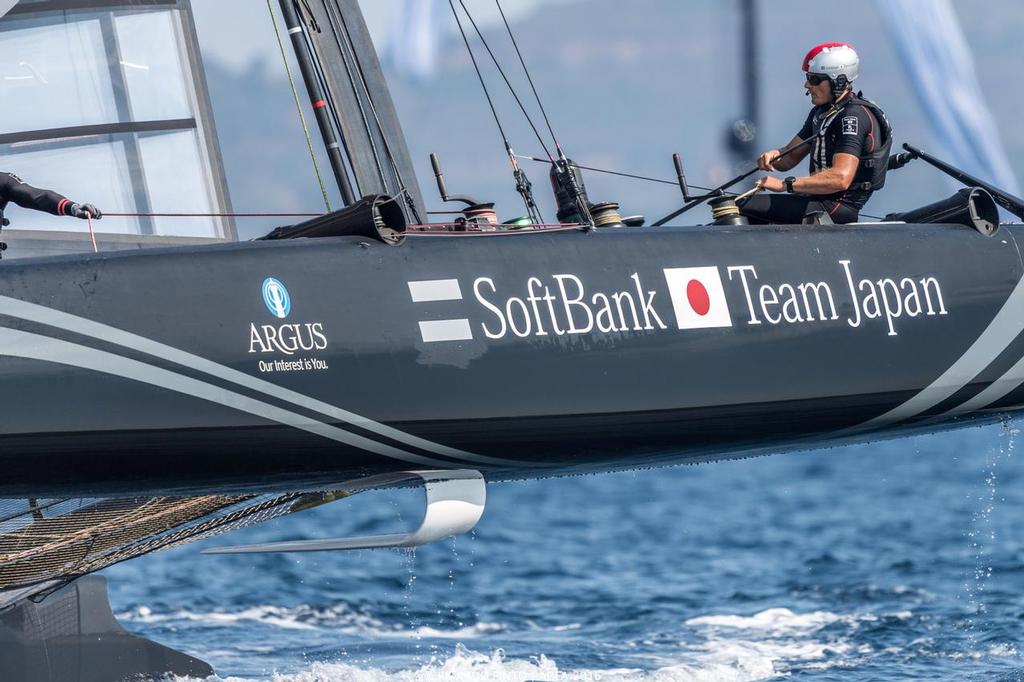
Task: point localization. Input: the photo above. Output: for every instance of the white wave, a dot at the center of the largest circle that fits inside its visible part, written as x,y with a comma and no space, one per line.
766,645
463,665
772,642
1003,650
469,666
771,620
339,618
718,662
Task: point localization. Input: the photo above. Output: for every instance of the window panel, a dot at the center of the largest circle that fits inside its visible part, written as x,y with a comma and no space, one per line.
54,75
177,182
96,173
110,66
153,65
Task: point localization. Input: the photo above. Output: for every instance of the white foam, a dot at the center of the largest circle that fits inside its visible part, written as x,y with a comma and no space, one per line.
732,648
1003,650
463,665
771,620
339,618
719,661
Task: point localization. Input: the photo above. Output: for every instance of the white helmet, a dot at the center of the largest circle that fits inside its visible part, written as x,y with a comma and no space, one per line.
838,61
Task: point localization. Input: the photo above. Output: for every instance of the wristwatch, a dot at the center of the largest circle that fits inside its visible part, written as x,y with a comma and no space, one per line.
789,183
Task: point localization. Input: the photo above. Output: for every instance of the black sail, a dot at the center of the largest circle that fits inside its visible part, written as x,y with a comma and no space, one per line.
373,137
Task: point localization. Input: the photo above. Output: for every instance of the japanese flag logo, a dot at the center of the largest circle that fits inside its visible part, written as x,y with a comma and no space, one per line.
698,298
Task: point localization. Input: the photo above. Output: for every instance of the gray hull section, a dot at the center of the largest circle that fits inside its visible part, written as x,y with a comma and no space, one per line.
518,355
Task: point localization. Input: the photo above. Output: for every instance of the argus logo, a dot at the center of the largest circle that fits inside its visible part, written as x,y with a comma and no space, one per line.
276,298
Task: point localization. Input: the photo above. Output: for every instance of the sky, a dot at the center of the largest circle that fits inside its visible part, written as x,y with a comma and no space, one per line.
249,45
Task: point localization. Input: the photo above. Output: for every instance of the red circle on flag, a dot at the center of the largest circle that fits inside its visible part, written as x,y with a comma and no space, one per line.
697,295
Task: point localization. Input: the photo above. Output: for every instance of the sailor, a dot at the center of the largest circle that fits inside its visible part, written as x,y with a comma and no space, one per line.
13,189
849,145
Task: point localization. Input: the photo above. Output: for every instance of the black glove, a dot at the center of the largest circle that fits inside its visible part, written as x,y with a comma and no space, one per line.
84,211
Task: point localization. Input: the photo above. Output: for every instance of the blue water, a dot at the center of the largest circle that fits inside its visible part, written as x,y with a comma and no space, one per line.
902,560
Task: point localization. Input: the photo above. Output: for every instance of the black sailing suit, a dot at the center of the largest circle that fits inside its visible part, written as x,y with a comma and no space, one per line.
851,128
13,189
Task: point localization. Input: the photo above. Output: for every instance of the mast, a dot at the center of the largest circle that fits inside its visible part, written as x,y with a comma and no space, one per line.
318,100
357,101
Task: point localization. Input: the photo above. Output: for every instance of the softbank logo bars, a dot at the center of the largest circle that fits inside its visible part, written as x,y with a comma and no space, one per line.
563,305
437,291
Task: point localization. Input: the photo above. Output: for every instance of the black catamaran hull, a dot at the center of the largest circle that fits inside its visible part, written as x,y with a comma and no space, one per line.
277,365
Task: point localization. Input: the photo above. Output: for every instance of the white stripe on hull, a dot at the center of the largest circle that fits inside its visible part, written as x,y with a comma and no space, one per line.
80,325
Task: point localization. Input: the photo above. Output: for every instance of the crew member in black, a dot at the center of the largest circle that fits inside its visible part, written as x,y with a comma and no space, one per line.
848,141
14,190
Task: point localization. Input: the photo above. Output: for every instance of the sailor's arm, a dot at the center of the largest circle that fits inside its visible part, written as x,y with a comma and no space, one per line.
771,160
838,178
13,189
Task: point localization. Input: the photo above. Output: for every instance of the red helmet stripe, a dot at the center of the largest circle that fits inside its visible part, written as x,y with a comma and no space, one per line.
818,49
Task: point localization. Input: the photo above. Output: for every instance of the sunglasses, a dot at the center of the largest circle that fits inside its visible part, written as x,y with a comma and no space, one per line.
816,78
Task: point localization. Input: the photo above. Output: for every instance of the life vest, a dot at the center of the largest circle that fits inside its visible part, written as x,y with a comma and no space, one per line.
874,164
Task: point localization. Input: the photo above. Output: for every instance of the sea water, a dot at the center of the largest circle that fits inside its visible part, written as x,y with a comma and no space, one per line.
896,560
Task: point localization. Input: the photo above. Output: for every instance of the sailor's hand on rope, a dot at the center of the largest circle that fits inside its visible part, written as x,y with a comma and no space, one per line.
772,184
85,211
767,160
742,199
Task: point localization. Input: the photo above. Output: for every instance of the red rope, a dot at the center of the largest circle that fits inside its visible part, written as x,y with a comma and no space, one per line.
213,215
92,233
427,230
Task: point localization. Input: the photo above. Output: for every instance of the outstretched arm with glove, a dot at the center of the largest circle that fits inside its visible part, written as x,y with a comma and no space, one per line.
13,189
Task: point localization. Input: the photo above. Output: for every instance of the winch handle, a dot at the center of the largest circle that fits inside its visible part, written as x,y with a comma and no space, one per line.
681,176
442,187
697,201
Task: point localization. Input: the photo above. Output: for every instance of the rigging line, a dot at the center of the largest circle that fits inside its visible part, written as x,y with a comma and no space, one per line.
522,184
92,234
497,65
298,106
108,214
403,188
572,185
479,75
674,183
575,190
529,78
